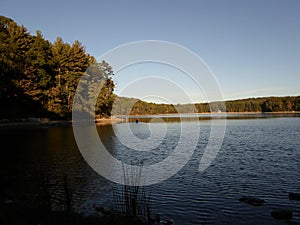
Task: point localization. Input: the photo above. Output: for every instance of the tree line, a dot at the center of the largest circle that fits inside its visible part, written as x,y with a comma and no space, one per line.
39,78
132,106
266,104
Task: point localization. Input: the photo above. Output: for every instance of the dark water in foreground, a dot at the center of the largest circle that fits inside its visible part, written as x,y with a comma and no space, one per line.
260,156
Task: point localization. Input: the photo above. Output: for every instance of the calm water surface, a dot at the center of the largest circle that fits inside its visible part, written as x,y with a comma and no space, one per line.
260,156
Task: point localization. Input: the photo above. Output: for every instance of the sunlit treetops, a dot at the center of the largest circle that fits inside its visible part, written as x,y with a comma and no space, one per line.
39,78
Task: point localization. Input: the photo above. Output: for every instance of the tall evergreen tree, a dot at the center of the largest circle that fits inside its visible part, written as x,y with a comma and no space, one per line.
15,42
106,97
96,90
38,71
70,63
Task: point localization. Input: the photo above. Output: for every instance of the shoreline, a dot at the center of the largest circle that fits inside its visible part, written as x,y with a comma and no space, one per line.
110,120
47,123
207,113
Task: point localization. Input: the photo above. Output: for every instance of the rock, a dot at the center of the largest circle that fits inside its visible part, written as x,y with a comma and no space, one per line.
282,214
168,221
102,209
154,218
252,200
294,196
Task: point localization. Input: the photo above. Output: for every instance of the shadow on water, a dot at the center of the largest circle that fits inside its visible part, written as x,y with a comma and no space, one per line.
38,185
46,181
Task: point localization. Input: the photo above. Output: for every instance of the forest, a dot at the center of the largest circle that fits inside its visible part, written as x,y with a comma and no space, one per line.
132,106
39,79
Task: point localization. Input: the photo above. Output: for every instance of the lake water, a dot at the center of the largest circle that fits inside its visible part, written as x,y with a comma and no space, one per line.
259,156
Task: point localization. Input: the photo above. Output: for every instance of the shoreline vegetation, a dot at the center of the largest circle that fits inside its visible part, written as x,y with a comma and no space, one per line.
47,123
138,108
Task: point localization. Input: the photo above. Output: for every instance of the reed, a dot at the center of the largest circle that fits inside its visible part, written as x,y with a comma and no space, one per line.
132,200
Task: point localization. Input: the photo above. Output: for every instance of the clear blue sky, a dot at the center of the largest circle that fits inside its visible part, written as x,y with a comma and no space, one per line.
253,47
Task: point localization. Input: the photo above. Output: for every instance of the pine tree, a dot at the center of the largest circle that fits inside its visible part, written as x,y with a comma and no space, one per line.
106,97
15,42
38,71
70,63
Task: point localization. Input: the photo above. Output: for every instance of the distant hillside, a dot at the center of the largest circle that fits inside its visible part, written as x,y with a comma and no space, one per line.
124,105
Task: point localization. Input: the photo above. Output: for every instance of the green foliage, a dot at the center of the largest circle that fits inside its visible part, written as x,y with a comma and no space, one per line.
126,106
15,42
132,106
70,62
37,72
96,87
267,104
